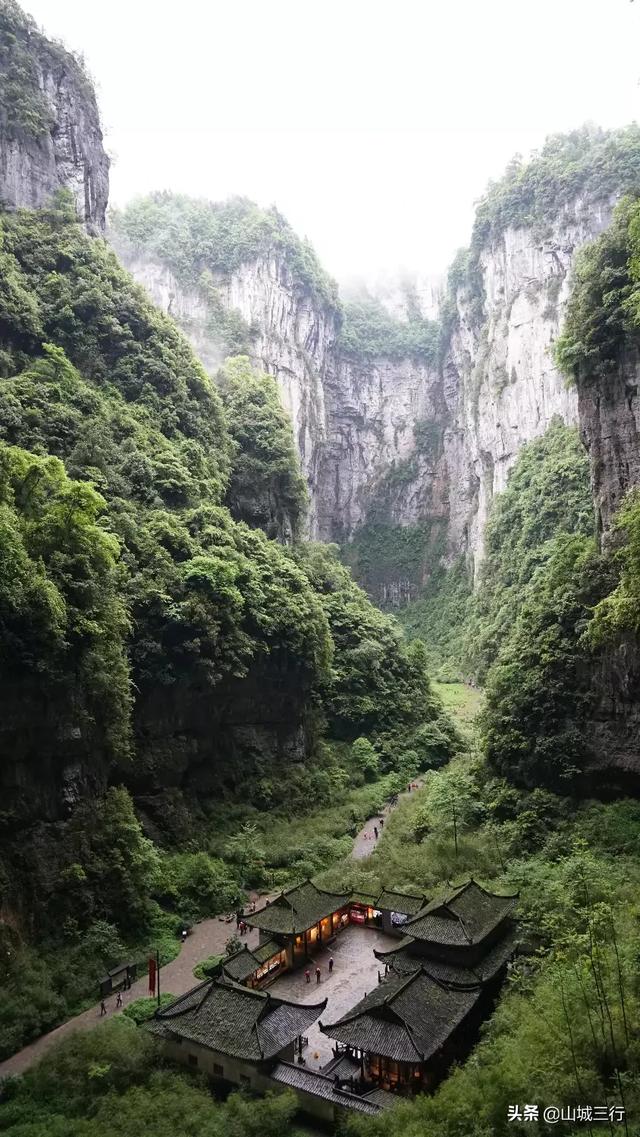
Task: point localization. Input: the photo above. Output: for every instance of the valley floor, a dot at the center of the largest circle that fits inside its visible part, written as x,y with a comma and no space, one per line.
208,938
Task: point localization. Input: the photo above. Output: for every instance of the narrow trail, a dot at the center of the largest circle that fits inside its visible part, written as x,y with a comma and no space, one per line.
207,938
365,842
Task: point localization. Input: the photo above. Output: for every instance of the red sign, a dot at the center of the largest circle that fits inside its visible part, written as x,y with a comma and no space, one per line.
152,975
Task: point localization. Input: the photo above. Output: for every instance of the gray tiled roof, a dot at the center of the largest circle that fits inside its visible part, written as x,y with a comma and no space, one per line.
363,898
404,1018
323,1086
400,902
404,961
231,1019
466,917
240,965
297,909
244,962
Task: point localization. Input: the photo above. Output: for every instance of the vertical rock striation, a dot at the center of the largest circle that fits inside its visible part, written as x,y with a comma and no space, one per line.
501,384
495,388
50,136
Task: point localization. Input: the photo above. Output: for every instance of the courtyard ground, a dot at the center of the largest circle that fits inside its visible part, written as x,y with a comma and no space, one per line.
355,973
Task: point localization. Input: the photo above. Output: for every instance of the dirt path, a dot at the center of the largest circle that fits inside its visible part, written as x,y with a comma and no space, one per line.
207,938
365,842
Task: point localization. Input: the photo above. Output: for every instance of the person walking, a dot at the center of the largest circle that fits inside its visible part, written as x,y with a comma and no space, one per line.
375,830
119,1000
330,965
103,1008
307,975
317,974
382,822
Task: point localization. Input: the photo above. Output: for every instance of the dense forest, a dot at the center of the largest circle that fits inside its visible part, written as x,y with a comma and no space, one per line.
198,702
134,563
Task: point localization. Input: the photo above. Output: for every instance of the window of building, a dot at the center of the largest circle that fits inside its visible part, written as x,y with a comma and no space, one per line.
192,1059
218,1070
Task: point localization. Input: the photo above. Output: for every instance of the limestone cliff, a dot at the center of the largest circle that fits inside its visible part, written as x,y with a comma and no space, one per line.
50,136
494,388
292,338
501,385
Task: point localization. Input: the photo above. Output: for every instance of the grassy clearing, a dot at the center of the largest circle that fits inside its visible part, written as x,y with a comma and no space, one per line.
461,701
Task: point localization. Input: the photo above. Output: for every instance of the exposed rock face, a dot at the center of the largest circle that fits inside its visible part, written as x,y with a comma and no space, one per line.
354,421
294,339
500,382
206,742
371,413
68,152
614,724
610,427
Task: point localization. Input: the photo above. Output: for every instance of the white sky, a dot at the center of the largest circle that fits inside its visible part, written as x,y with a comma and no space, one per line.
373,125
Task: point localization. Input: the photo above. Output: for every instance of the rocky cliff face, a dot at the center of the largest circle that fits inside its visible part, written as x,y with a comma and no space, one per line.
371,413
292,339
50,134
501,385
354,420
610,428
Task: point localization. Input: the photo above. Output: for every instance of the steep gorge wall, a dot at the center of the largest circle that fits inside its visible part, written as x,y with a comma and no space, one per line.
354,420
50,136
292,338
501,384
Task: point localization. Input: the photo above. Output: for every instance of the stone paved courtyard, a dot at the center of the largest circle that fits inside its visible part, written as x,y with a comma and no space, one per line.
355,972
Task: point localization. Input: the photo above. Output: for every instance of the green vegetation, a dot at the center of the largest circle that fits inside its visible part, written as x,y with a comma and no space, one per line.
547,495
206,967
521,633
603,314
389,560
141,1010
370,332
26,113
439,618
110,1082
536,722
562,1028
124,579
192,236
377,686
462,702
61,616
589,163
266,488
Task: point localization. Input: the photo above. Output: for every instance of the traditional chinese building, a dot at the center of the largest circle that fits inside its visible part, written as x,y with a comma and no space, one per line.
306,917
255,968
438,986
301,919
404,1032
389,911
233,1033
466,938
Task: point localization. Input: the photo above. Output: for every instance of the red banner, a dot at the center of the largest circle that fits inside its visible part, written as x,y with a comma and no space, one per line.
152,975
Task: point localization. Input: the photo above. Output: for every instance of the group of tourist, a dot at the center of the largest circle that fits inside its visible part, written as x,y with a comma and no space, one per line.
119,1003
307,973
376,831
